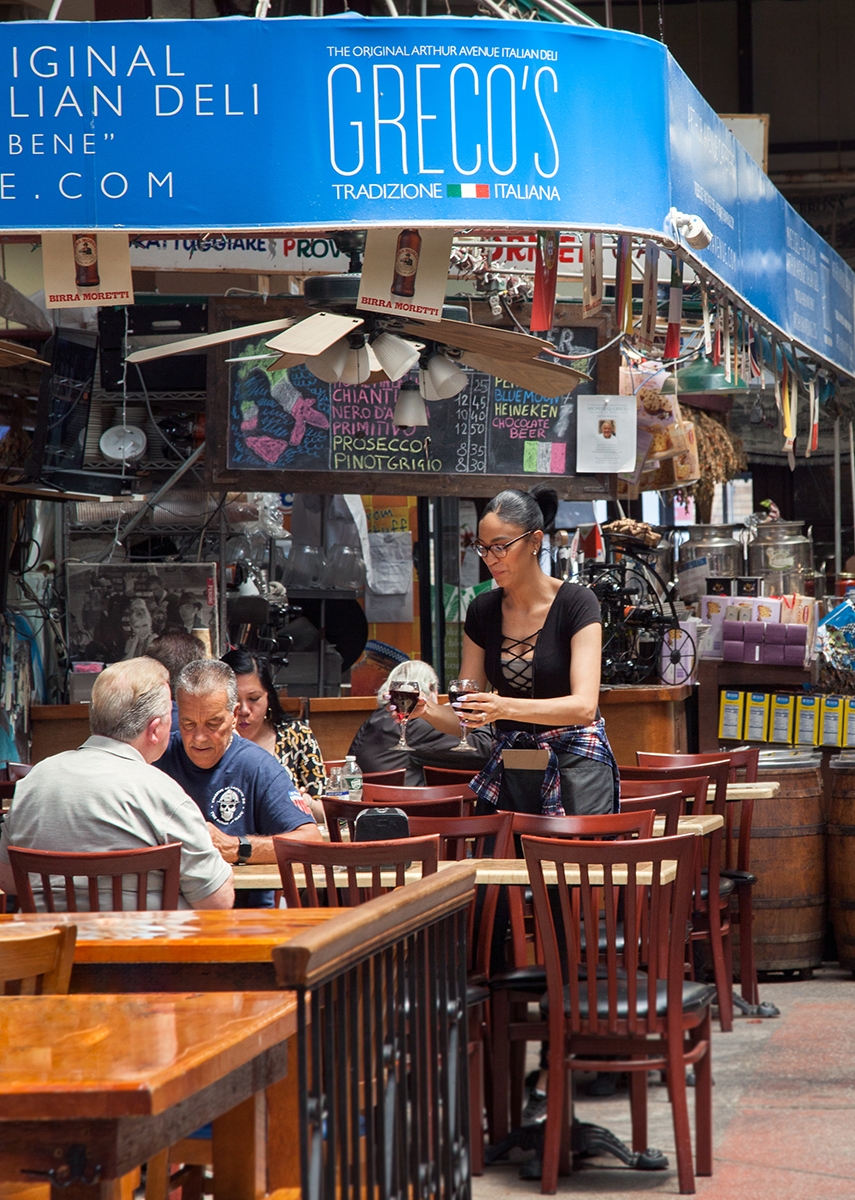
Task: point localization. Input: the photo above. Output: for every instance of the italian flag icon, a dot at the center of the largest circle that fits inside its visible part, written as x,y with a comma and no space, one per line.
468,191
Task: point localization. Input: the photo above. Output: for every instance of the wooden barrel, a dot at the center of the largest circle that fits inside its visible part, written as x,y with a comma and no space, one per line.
788,858
841,860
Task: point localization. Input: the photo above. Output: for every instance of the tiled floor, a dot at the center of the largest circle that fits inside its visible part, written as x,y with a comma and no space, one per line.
783,1104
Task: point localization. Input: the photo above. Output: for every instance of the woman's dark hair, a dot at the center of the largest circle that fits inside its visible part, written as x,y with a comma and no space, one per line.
244,663
534,509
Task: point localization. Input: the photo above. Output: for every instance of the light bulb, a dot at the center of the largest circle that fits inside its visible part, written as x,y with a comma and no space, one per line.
357,367
441,379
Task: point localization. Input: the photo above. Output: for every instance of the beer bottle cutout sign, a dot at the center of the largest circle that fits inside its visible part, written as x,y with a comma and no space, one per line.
406,262
86,260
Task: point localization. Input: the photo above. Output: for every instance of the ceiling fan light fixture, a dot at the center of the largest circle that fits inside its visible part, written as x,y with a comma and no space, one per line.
396,355
410,408
357,366
328,365
441,379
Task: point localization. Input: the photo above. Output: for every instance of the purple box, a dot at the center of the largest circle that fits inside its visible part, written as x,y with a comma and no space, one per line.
732,651
773,654
751,652
754,631
733,631
794,656
776,633
796,635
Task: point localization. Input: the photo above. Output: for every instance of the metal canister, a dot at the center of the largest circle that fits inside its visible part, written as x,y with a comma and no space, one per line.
719,546
782,554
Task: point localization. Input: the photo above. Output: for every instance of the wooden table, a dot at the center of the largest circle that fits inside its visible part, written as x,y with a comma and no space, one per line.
93,1086
175,951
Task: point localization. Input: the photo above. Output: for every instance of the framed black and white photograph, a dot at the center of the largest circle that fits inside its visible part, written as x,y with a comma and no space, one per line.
115,610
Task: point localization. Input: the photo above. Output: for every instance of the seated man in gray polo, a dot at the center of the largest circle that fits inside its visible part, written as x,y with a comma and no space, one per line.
106,795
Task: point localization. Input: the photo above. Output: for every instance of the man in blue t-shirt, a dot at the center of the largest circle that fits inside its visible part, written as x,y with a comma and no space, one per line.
244,793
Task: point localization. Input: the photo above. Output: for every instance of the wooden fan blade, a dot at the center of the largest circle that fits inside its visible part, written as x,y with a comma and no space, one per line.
315,334
543,378
12,354
482,339
285,361
204,340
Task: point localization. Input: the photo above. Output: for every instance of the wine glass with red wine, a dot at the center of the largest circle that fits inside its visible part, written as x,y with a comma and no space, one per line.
404,696
458,690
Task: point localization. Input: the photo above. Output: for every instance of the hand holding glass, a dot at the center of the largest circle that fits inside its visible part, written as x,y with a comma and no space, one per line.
403,697
458,690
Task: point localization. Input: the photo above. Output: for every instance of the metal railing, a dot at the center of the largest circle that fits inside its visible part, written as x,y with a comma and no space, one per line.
383,1047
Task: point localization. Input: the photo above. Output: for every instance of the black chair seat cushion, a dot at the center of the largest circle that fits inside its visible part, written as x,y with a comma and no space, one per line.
696,996
476,994
738,876
726,886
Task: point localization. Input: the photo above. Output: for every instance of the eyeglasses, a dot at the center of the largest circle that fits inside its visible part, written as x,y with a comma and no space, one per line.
500,549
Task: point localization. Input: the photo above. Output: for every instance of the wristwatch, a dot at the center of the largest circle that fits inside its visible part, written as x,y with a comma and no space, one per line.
244,853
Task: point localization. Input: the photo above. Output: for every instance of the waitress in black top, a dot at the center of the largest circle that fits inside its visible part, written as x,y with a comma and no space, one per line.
537,642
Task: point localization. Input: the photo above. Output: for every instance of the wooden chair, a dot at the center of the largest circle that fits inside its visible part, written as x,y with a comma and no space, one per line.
737,849
514,988
112,865
36,963
379,793
355,857
336,811
711,913
462,838
390,778
439,775
668,805
625,1007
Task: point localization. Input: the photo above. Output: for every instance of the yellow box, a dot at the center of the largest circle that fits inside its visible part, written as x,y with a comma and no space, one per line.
831,721
781,716
756,716
807,720
848,734
730,715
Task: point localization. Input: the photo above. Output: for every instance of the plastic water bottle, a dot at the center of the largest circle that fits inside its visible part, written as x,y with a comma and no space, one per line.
337,785
353,777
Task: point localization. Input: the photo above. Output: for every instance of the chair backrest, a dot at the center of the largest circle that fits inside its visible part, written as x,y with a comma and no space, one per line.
693,790
467,837
595,825
392,778
336,811
667,804
435,776
744,758
718,775
36,962
379,793
462,838
360,870
629,926
113,865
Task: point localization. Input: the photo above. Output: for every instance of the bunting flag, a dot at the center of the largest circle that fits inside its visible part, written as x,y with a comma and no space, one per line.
705,307
716,354
623,284
675,309
592,545
650,297
726,347
592,275
545,279
813,403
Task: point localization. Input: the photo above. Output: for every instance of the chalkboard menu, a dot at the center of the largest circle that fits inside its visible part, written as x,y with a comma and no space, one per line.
287,430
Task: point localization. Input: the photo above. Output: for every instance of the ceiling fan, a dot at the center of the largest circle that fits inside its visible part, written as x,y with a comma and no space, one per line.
338,346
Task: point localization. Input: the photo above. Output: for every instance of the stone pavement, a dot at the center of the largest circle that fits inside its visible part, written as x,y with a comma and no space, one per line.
783,1110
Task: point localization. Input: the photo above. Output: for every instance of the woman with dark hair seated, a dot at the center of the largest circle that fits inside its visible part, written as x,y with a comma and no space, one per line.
262,720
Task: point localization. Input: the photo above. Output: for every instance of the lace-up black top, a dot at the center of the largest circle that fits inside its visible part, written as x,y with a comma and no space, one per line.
537,666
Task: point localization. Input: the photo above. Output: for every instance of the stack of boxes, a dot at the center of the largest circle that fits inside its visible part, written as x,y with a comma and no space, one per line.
788,718
766,630
763,642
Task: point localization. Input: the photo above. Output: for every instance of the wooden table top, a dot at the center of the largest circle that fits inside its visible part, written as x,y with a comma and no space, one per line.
188,936
487,870
108,1057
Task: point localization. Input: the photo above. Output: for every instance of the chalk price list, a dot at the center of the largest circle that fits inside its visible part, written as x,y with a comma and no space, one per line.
471,425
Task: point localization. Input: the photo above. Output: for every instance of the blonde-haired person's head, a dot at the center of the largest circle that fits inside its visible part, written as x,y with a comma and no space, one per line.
126,696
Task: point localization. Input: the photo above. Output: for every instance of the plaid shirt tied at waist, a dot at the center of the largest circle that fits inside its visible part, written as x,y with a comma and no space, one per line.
588,741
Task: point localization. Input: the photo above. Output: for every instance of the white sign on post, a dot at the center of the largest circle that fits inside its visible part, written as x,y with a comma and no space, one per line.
605,434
